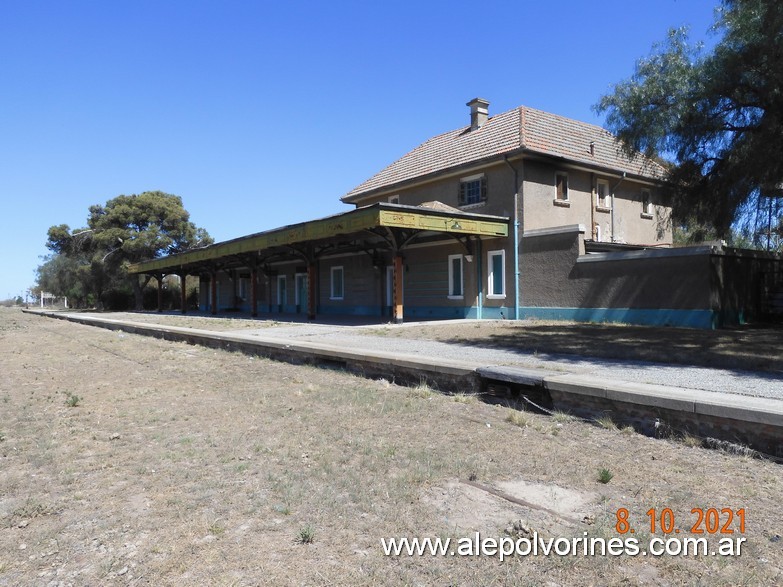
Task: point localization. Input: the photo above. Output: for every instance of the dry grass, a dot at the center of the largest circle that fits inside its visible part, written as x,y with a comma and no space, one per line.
185,465
223,322
606,422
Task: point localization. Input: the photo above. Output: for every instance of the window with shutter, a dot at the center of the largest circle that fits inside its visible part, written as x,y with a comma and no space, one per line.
561,186
472,190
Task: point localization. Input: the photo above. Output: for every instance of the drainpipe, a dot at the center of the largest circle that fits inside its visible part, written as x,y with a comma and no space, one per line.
479,279
612,193
592,204
516,237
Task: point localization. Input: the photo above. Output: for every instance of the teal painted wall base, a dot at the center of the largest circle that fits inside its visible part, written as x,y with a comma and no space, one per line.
648,317
349,310
705,319
664,317
445,313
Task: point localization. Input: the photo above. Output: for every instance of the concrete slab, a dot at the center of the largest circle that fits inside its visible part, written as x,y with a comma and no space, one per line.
747,409
517,375
579,384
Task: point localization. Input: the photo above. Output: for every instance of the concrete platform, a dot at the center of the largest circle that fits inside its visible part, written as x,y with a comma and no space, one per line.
654,409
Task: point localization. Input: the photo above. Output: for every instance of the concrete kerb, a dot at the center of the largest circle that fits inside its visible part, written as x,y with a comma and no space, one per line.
659,396
757,422
693,401
739,421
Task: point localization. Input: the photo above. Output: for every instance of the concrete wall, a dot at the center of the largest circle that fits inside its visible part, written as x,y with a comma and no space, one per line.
667,286
703,286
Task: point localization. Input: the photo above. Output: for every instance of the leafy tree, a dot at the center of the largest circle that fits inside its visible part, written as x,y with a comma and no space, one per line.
127,229
62,275
717,115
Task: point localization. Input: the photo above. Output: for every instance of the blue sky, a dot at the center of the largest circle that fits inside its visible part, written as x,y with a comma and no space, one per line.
261,114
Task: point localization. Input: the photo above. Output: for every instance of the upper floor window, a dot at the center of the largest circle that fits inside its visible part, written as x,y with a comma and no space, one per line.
472,190
647,209
561,186
394,199
603,198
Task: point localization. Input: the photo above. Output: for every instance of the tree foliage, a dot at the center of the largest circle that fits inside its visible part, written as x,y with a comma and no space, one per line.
127,229
67,276
717,115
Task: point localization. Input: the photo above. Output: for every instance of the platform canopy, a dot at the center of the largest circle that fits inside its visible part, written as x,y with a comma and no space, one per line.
371,229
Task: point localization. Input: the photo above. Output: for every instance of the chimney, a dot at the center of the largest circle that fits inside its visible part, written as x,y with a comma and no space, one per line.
479,111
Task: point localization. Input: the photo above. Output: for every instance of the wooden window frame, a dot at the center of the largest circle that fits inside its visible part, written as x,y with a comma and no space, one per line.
491,295
647,206
465,184
453,294
562,197
333,282
603,204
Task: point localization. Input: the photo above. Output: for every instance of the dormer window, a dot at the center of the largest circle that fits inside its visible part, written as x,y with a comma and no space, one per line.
472,190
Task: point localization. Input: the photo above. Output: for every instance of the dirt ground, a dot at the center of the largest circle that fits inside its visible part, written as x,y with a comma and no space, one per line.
128,460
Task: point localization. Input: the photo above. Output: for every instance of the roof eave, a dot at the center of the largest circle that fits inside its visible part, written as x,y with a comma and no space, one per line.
430,177
473,165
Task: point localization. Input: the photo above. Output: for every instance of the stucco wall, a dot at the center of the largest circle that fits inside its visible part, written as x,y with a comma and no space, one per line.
500,191
701,286
546,265
537,186
656,287
540,209
647,282
623,217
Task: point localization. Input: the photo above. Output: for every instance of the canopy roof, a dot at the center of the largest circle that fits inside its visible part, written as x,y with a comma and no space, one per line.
380,226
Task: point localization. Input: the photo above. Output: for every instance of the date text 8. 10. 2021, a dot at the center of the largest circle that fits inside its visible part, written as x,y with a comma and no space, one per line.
701,521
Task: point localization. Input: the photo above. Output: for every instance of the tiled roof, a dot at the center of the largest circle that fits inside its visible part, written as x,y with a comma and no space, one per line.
521,129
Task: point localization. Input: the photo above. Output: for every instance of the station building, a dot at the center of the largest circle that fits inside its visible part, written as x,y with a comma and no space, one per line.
525,214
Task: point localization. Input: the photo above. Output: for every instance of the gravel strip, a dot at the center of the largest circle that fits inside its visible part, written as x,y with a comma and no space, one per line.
751,383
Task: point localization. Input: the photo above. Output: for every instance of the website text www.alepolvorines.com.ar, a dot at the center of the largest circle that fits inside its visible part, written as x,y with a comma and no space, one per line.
584,545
